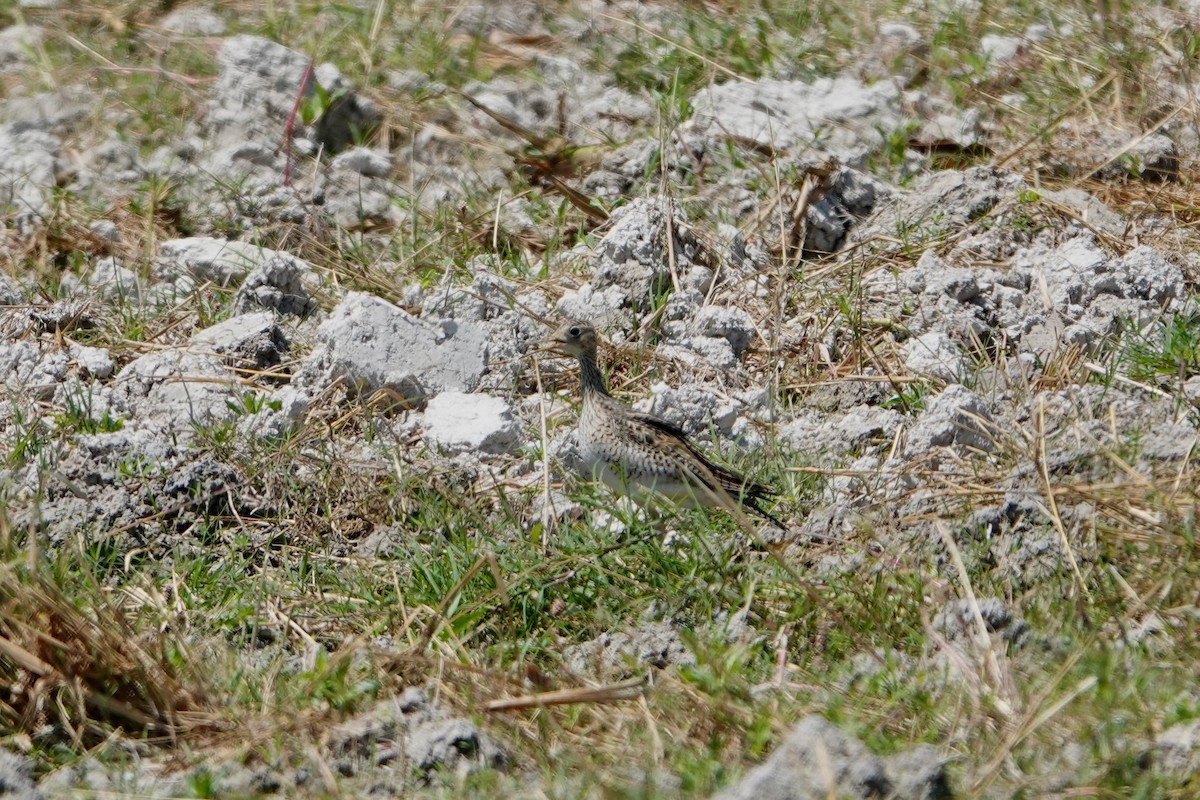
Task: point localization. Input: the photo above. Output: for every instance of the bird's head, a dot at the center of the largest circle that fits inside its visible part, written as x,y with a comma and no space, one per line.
573,338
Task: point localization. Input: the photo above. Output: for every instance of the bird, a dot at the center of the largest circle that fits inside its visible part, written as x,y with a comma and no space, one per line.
642,456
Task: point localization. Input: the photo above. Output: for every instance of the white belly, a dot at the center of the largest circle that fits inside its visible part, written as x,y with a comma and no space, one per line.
642,487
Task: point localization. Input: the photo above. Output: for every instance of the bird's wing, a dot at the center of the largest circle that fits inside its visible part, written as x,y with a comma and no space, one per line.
649,429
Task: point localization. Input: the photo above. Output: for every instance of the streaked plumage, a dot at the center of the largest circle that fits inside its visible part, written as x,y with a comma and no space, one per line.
641,455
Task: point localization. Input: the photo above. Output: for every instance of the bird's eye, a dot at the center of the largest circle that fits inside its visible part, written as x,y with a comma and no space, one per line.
574,331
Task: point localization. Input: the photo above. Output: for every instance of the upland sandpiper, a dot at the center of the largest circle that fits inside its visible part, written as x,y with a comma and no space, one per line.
641,456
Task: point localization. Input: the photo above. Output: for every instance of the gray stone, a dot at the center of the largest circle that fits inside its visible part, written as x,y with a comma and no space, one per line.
1090,209
695,409
487,298
361,736
110,162
898,34
605,308
19,45
956,416
193,21
256,89
412,699
62,315
27,366
28,170
353,203
942,123
349,117
106,230
471,423
1046,336
1151,276
373,345
699,350
16,783
114,282
956,620
1074,273
999,50
11,293
838,115
1109,150
619,654
621,169
173,391
534,104
238,780
1177,749
934,355
249,341
56,112
632,258
94,361
1167,441
815,433
276,284
955,282
281,415
947,200
451,744
364,161
919,774
730,323
848,197
818,761
218,261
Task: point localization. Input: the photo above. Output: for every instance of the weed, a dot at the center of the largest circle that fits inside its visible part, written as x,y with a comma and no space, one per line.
1168,349
910,398
79,417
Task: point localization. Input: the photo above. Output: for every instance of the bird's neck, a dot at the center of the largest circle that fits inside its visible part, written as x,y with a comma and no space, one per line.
591,380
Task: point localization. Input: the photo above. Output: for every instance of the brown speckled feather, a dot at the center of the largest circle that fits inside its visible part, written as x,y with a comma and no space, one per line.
643,455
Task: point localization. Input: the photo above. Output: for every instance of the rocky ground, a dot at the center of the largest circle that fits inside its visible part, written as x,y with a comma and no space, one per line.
288,499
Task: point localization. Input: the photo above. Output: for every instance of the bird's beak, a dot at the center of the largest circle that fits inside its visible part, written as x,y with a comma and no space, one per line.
549,345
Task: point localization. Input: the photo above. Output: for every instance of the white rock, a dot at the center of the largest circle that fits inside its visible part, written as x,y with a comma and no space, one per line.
28,168
10,291
604,308
276,284
899,34
174,390
371,345
933,355
218,261
698,350
730,323
1000,50
471,423
1152,276
106,229
193,21
255,91
252,338
19,44
364,161
281,414
1073,273
95,361
956,416
842,114
114,281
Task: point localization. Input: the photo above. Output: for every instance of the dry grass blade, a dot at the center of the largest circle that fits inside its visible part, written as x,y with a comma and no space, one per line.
1002,697
1052,510
87,670
625,690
